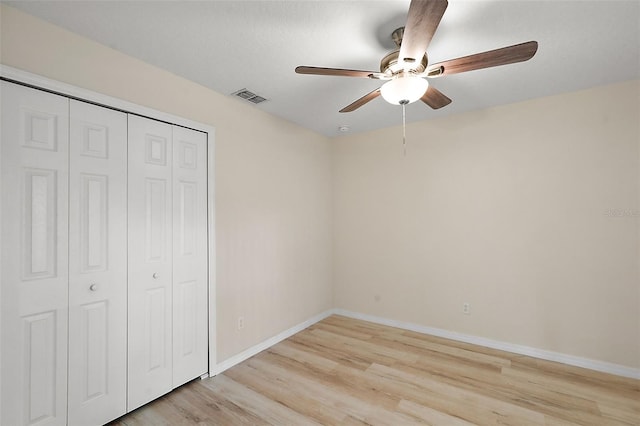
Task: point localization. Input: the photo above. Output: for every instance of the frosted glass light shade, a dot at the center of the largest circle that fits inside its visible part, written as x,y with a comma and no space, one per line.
404,89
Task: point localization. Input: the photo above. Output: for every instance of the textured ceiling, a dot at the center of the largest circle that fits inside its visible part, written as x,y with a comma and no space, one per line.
230,45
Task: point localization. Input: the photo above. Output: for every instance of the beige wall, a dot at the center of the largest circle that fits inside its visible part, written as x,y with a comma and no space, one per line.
505,209
273,182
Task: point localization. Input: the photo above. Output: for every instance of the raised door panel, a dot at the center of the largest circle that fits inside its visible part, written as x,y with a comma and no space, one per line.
150,265
98,264
34,256
190,343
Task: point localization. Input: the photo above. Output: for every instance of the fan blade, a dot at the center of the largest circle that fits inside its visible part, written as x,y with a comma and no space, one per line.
340,72
363,100
493,58
435,98
422,22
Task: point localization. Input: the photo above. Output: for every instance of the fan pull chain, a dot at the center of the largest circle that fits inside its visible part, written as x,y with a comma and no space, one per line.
404,133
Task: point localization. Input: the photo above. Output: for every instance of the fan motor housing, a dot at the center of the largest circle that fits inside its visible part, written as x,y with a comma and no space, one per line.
389,64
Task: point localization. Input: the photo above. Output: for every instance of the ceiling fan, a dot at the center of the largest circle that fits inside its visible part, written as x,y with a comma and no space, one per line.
407,67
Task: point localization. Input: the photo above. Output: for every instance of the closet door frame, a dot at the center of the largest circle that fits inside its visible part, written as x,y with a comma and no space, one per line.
33,80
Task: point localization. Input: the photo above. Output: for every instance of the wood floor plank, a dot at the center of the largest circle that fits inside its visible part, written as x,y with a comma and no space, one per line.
326,394
367,350
431,416
343,371
461,353
342,380
333,351
280,390
459,402
309,359
347,332
490,382
256,403
600,392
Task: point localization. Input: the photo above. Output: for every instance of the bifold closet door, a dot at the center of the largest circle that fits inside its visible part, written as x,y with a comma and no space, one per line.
190,332
168,334
150,350
97,264
34,162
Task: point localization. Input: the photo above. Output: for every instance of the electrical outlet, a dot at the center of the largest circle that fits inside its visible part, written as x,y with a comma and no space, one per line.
240,323
466,308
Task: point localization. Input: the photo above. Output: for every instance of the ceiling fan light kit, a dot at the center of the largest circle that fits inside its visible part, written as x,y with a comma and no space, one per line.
404,89
407,68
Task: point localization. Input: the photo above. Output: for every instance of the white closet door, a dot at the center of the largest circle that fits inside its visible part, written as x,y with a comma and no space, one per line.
34,277
190,333
150,252
97,264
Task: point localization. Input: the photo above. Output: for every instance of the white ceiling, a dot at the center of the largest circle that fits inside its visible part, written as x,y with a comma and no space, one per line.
230,45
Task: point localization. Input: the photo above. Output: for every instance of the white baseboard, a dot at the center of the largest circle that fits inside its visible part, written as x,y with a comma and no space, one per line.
266,344
605,367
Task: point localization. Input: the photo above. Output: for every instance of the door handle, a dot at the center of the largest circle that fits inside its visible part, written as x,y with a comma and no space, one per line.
93,287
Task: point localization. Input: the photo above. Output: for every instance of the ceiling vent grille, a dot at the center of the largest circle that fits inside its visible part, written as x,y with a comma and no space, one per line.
249,96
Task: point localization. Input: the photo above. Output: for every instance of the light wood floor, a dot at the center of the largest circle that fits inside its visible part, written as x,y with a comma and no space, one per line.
342,371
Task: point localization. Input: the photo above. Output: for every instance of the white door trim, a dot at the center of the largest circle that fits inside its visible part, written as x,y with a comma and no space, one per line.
74,92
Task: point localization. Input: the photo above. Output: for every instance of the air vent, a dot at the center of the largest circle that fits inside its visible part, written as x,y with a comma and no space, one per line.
249,96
